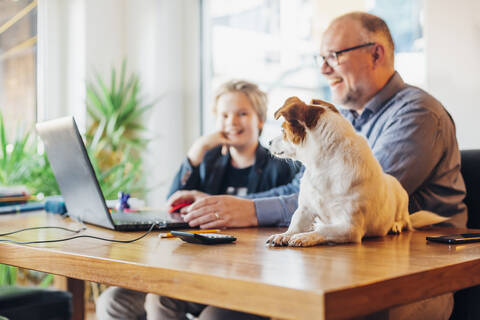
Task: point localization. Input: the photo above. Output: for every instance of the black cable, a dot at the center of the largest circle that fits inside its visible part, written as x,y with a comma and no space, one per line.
75,237
47,227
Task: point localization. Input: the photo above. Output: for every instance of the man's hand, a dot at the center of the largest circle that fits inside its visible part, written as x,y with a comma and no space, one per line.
220,212
182,196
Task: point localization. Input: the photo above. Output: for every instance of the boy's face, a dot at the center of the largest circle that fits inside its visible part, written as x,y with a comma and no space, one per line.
237,120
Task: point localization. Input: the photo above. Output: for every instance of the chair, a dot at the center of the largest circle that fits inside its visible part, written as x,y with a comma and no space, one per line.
467,300
471,175
22,303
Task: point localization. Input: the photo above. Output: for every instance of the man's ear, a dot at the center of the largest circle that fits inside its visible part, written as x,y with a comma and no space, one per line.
378,54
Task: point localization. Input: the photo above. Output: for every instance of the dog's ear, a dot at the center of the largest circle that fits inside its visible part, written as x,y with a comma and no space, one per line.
295,110
293,127
318,102
298,117
291,109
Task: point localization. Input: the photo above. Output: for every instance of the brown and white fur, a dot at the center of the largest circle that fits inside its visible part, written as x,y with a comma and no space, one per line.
344,193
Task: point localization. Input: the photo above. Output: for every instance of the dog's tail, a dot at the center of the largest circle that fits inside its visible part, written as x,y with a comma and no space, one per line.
424,218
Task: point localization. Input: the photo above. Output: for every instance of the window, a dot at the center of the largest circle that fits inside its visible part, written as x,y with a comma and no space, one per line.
18,39
272,42
405,20
266,42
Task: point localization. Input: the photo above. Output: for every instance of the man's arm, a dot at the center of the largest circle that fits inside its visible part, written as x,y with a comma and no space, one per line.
409,148
276,211
222,211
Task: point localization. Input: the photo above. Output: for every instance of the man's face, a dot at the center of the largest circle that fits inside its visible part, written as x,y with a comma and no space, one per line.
349,81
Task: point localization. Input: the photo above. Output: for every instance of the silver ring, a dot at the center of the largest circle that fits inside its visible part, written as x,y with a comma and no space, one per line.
216,215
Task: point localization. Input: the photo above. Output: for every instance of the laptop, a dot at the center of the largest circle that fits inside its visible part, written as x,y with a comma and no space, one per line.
79,186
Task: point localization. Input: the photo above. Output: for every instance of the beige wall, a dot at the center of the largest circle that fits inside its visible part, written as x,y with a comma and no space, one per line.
452,30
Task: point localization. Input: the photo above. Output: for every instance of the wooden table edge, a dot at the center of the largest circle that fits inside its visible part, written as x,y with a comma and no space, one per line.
374,297
273,301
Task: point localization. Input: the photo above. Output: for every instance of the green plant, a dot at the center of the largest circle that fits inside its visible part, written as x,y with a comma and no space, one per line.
114,136
8,275
123,176
41,178
21,164
116,112
11,154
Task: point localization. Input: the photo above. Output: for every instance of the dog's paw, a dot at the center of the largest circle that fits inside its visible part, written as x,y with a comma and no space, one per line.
277,240
302,240
397,227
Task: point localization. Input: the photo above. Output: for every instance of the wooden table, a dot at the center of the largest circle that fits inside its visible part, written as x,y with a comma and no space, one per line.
329,282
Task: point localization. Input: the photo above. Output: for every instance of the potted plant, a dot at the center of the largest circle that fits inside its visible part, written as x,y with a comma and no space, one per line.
115,132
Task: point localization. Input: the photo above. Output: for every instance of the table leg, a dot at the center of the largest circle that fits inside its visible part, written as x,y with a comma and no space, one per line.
77,289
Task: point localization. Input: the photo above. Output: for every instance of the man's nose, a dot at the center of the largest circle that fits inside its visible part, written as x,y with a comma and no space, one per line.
325,68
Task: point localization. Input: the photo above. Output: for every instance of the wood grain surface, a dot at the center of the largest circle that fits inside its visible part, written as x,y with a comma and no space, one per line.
331,281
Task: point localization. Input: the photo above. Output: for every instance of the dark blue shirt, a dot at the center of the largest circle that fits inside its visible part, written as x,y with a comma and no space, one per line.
268,172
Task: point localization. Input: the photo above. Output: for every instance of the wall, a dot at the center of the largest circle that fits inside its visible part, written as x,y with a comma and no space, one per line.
61,59
452,34
161,45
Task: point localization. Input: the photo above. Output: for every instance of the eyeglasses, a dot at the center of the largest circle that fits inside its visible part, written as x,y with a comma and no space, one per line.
332,58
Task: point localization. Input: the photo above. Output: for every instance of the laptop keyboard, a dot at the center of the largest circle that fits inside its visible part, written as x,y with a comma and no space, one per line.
127,221
135,219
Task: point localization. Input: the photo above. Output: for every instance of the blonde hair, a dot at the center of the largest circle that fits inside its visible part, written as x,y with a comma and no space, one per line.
257,97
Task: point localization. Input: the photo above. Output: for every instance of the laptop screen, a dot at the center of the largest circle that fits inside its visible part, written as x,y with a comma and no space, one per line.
74,172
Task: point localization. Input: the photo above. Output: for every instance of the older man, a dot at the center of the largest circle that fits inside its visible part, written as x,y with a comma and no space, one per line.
409,131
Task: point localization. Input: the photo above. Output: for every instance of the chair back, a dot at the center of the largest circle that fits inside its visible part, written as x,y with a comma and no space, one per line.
471,174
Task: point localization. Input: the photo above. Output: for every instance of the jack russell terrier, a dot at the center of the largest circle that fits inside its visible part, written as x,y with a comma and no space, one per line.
344,193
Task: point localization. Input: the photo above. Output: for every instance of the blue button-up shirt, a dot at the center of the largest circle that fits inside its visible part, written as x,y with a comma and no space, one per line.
413,138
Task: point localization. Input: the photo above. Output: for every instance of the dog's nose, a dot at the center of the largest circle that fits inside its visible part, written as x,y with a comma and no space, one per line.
270,143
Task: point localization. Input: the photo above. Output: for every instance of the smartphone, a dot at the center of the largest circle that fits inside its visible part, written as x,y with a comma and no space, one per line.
204,238
457,238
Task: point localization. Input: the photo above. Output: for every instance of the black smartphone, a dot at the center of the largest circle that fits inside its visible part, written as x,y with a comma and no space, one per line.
203,238
457,238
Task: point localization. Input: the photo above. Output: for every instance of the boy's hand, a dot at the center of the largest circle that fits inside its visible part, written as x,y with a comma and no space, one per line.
203,144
